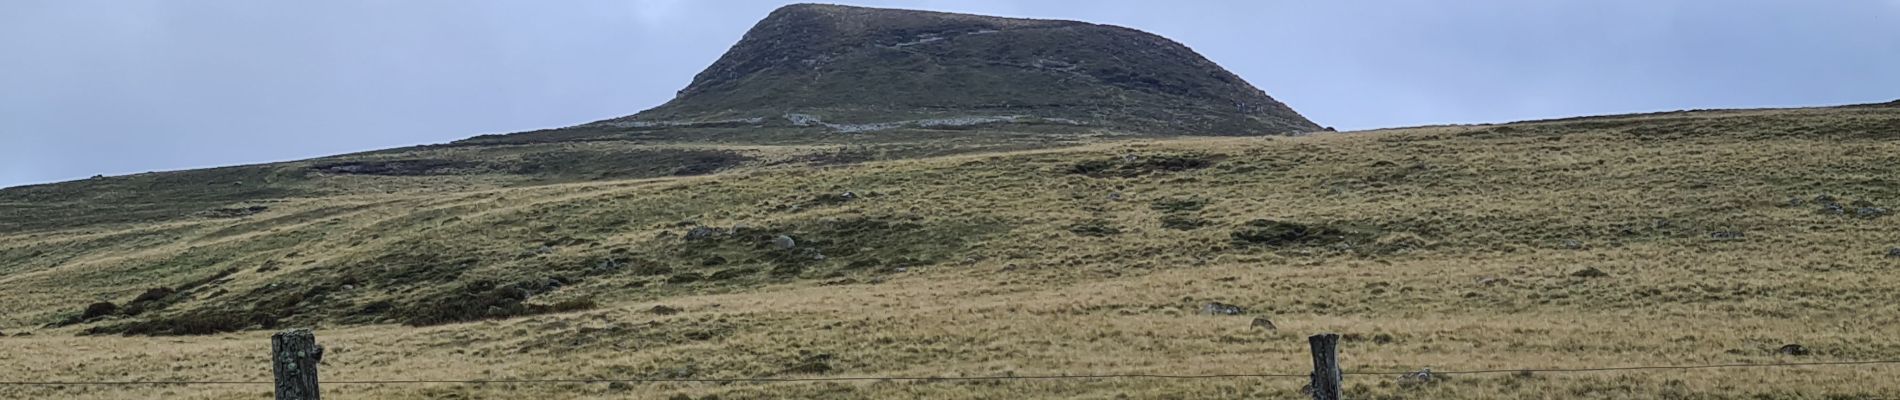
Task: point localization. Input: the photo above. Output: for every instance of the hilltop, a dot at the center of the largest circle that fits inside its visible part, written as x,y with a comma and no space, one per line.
856,70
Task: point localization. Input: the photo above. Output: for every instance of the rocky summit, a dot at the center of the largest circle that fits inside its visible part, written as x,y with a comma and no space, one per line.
857,69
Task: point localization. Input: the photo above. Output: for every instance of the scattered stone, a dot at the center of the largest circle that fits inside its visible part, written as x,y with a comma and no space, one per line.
1217,308
1726,235
1796,201
1115,196
784,242
1263,323
1589,272
1871,212
664,310
701,233
1824,198
1423,376
1832,209
1792,350
1573,244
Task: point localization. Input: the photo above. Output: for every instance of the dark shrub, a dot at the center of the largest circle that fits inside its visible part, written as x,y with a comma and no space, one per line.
1181,222
1280,233
100,309
1097,228
1178,204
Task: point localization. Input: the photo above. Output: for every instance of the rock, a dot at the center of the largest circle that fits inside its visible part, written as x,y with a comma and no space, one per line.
1832,209
1421,377
618,385
849,195
1726,235
1216,308
1573,244
1871,212
1796,201
1589,272
712,261
1491,280
1262,323
1893,252
1115,196
784,242
701,233
1792,350
1824,199
664,310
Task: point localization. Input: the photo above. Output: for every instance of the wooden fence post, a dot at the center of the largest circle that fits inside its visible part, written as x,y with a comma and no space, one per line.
1325,385
294,357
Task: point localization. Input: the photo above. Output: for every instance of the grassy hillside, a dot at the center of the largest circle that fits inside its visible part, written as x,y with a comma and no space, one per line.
1675,238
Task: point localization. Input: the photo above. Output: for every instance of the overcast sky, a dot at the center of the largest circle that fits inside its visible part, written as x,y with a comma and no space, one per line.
125,86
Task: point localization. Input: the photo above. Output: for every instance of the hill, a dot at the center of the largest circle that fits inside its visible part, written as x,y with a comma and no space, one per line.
1714,236
857,70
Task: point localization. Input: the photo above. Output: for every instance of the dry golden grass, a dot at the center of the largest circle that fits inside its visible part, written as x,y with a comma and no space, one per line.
1467,238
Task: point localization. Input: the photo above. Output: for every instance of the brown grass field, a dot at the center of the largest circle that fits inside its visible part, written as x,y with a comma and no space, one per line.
1450,248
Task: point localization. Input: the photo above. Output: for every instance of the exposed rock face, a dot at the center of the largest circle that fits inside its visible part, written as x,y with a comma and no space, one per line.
863,68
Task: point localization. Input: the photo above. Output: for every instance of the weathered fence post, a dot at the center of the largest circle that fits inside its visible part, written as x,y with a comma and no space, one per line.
294,357
1325,385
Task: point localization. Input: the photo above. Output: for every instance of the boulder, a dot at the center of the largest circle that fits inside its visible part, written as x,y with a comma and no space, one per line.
1262,323
701,233
1792,349
1217,308
784,242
